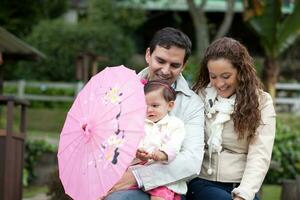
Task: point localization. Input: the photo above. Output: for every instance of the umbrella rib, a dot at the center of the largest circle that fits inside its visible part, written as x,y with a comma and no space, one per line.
88,186
77,186
75,139
68,133
92,153
72,116
77,149
99,178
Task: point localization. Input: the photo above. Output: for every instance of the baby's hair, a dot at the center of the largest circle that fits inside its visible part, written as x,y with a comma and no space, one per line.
168,92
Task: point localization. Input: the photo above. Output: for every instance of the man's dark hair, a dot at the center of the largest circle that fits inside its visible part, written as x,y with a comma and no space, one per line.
168,37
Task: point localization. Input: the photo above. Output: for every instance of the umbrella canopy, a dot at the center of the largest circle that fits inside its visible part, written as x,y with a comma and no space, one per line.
101,133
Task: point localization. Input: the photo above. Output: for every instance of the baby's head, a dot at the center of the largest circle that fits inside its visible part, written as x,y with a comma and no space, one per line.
160,97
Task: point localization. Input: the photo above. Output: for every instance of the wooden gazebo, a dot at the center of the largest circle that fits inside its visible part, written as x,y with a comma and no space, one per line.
11,140
86,65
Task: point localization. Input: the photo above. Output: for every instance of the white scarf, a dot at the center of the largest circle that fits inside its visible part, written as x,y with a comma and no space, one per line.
223,108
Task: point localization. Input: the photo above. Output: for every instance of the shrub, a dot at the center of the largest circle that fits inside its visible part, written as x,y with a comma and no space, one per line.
33,151
104,32
286,153
55,188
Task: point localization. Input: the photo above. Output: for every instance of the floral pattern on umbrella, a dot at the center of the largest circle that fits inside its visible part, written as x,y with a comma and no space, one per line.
101,133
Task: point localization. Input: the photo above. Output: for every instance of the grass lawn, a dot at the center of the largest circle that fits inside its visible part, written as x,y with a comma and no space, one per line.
289,119
31,191
271,192
46,120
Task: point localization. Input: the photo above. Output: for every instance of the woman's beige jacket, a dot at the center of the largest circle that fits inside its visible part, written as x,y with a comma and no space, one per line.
243,161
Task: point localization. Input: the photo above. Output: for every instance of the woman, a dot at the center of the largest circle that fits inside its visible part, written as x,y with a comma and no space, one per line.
239,125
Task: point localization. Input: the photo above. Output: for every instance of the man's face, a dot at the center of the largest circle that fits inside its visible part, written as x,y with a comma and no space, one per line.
165,64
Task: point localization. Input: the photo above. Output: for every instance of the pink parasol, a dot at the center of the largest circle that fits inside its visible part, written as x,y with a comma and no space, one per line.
101,133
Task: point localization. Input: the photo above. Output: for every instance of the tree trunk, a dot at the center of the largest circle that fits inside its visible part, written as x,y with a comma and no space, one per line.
1,79
201,28
198,16
202,36
227,21
270,74
289,190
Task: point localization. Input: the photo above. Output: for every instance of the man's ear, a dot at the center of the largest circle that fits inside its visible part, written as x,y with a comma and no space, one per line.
170,105
147,55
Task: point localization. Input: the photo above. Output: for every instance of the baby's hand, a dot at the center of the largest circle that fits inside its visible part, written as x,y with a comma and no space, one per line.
143,155
159,156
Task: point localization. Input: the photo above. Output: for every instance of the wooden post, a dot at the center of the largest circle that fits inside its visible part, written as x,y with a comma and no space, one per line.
9,159
94,68
21,89
289,190
86,71
79,86
23,124
12,151
298,186
1,58
79,67
1,73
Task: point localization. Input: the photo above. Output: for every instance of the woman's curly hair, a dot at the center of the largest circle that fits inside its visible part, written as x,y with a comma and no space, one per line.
246,115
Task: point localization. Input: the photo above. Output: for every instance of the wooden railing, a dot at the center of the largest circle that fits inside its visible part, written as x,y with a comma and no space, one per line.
21,93
288,97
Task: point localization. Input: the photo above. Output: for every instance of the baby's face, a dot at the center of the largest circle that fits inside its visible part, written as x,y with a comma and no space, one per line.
157,106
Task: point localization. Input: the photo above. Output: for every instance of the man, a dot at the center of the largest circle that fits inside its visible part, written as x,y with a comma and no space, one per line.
166,58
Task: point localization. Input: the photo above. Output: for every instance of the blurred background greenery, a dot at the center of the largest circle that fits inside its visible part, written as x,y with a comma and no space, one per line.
114,32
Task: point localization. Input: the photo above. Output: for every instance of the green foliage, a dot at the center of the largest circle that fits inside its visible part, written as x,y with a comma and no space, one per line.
31,191
127,19
258,63
275,30
19,17
271,192
191,70
286,153
106,31
55,188
33,151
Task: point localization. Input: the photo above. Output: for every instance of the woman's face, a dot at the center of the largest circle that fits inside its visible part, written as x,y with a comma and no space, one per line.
223,76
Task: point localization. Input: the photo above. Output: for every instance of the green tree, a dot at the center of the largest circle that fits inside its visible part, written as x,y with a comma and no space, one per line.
275,31
103,31
19,17
127,18
196,9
